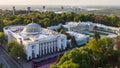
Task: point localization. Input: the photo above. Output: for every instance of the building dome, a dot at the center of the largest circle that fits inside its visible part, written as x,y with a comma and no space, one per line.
32,28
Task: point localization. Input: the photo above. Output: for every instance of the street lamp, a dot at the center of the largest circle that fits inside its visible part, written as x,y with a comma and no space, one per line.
18,58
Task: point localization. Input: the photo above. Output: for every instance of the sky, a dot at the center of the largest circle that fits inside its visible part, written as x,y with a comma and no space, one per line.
61,2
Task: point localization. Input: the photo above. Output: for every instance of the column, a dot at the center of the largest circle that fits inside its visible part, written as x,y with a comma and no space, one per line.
54,45
46,47
40,49
58,44
49,46
29,52
36,50
43,48
64,44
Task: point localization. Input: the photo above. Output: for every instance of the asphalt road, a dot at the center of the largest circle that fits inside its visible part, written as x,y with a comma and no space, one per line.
6,60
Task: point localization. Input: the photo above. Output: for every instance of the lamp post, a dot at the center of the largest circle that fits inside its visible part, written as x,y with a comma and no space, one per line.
18,58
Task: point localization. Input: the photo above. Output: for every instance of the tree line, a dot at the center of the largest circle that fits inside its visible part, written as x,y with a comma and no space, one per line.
50,18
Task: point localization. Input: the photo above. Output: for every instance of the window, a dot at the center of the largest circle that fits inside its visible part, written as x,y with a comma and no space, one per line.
62,40
32,46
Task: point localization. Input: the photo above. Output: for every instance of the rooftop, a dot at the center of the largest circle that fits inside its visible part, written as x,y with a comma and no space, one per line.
33,32
32,28
77,35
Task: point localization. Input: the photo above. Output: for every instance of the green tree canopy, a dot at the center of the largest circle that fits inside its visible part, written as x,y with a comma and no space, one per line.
95,54
1,65
2,38
96,35
76,58
102,50
15,49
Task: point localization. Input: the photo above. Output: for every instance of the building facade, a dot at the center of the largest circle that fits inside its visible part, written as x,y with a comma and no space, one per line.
37,41
89,26
81,39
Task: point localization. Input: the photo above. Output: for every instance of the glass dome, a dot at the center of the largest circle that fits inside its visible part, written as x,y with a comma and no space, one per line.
32,28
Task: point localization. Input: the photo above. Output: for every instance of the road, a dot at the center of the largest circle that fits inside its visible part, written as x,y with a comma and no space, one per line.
6,60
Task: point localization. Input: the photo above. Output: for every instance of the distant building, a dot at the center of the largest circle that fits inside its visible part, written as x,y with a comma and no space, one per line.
37,41
28,10
80,38
55,27
89,26
70,26
13,10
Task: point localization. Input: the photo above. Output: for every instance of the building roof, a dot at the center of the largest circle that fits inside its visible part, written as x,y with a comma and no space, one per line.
70,24
78,36
32,28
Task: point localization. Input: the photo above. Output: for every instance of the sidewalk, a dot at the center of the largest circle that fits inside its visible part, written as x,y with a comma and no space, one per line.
25,64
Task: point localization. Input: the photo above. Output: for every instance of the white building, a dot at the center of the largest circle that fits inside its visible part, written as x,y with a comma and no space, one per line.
70,26
55,27
37,41
81,26
80,38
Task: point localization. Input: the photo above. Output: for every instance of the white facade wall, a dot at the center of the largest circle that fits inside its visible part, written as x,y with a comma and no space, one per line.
47,47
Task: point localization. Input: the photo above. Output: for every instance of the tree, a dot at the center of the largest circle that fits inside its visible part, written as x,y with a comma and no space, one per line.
63,18
76,58
15,49
54,66
2,38
95,54
11,44
1,65
69,64
77,19
47,22
117,43
68,36
1,25
102,49
96,35
62,30
73,42
95,28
